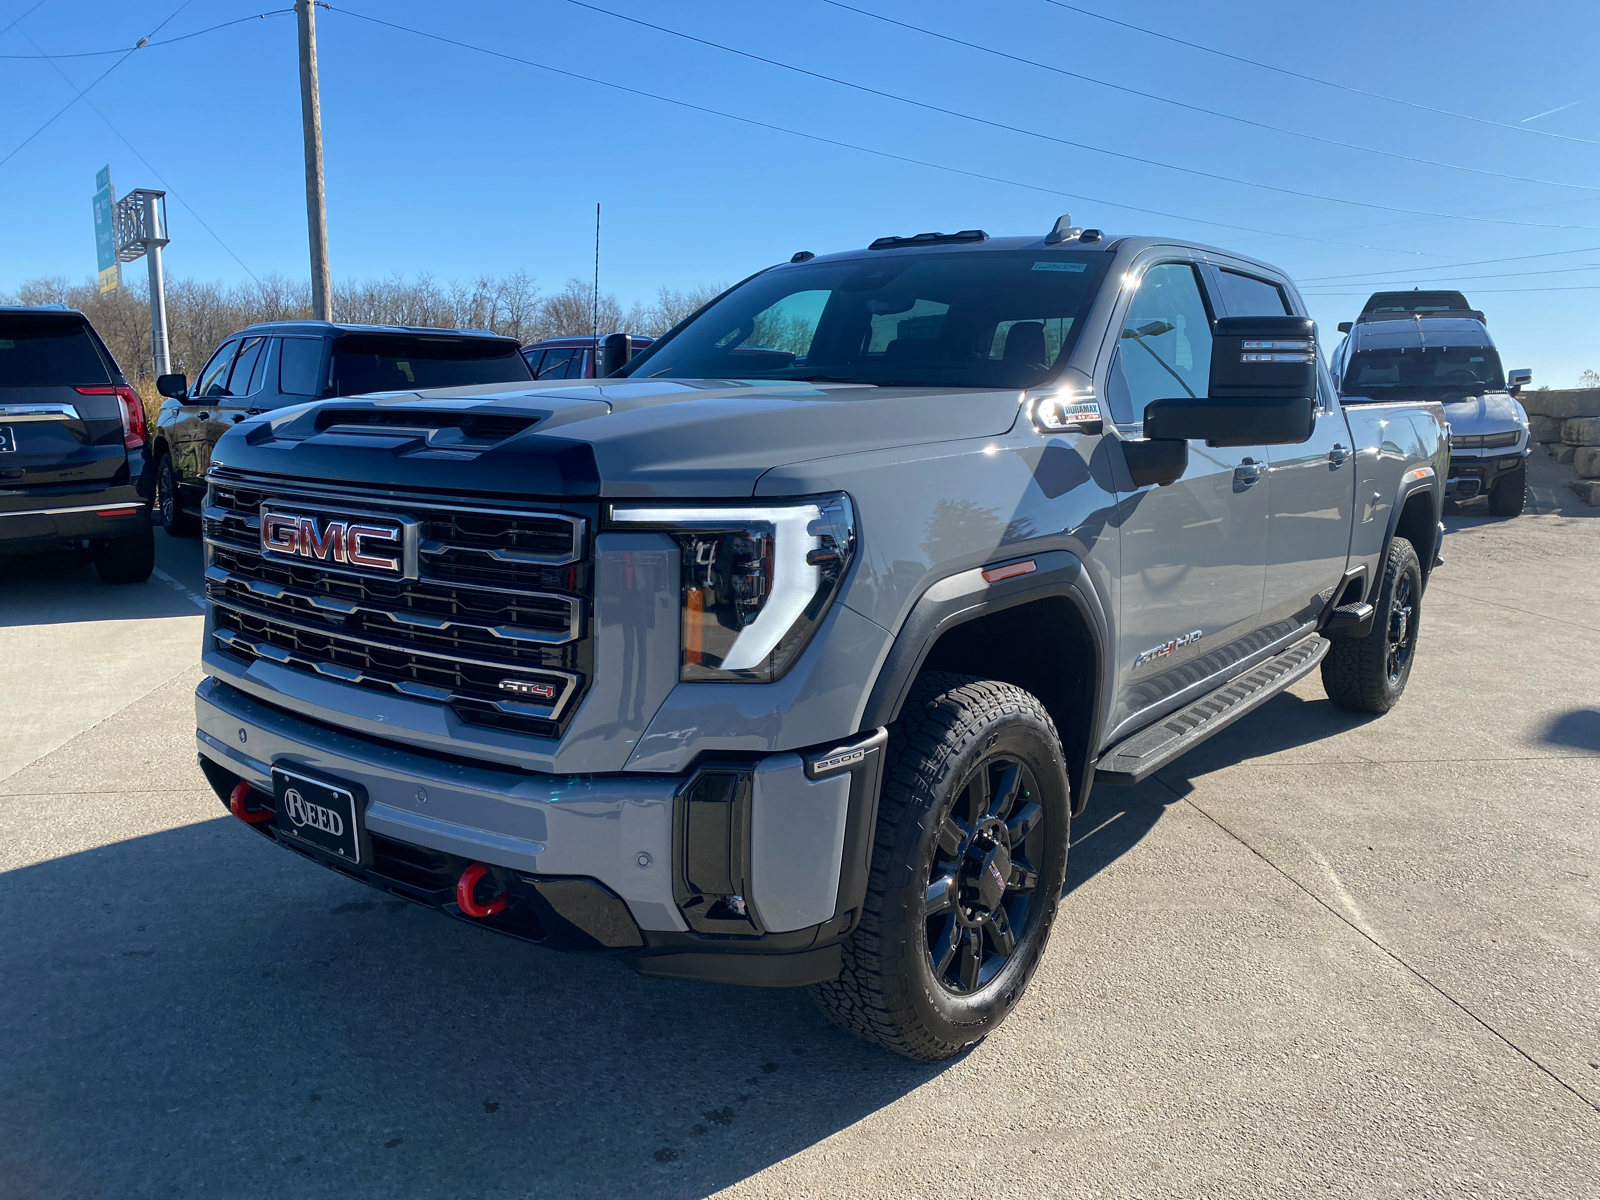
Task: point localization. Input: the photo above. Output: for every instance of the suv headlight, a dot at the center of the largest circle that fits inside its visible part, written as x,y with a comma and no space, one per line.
757,578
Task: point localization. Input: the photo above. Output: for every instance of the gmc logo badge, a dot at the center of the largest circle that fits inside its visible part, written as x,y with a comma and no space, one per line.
367,544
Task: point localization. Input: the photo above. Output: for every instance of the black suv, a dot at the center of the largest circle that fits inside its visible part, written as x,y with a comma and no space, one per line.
73,467
274,364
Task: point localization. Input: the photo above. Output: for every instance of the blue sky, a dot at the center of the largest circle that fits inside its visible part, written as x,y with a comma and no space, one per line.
444,160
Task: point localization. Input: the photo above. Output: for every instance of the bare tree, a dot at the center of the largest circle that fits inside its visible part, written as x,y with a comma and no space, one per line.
1589,379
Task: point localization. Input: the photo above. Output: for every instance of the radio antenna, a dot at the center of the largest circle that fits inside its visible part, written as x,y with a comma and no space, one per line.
594,300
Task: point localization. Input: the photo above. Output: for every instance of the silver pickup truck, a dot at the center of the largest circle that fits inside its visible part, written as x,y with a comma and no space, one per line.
786,655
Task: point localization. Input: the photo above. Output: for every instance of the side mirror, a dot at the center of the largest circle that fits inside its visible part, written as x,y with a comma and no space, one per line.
615,351
174,387
1346,326
1519,379
1262,390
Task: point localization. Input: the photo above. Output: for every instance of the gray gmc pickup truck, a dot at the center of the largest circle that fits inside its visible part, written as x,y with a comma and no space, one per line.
785,655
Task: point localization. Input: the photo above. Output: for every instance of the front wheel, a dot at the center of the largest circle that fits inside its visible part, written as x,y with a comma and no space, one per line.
168,508
1369,674
1509,496
967,870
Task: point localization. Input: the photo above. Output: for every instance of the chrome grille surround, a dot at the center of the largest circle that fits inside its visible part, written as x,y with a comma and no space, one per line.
493,625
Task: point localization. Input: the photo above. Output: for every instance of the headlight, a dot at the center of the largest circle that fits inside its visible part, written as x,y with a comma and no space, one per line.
1465,442
757,578
1502,439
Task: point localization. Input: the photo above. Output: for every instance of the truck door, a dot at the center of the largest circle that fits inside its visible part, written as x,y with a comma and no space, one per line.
237,399
1313,511
1194,551
1312,485
192,429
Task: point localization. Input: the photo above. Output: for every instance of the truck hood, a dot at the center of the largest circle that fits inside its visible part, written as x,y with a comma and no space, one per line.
700,438
1495,412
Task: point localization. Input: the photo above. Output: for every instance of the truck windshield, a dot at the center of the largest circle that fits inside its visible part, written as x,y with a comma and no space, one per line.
1424,369
41,351
386,363
988,319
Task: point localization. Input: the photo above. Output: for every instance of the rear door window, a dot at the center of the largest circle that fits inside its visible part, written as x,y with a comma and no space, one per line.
214,375
46,351
1247,296
387,363
300,367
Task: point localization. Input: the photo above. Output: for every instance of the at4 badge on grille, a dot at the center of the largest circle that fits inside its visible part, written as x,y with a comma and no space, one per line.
382,545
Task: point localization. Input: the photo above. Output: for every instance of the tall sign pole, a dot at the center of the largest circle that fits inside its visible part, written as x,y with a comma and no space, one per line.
141,229
316,201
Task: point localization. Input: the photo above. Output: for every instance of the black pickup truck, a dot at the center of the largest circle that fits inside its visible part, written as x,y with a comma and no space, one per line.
72,446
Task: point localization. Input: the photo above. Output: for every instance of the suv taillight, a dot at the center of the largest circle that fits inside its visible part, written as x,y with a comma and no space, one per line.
134,430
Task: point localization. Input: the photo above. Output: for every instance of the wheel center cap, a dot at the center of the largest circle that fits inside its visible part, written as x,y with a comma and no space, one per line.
989,871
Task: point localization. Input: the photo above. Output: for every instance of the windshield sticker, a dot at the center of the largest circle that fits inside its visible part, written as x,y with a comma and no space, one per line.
1075,268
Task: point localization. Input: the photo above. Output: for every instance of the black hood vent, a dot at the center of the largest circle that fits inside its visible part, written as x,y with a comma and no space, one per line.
488,428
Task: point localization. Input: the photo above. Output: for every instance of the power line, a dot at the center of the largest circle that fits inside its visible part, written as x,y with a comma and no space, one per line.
1478,262
1585,287
80,94
142,43
1210,112
1409,280
25,15
1343,87
1001,125
827,141
172,191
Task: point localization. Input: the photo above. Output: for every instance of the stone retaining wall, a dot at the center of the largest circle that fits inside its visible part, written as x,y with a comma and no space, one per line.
1568,424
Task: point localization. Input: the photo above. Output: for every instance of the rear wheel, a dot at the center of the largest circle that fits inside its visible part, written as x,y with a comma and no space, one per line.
1369,674
1509,496
168,510
967,870
128,559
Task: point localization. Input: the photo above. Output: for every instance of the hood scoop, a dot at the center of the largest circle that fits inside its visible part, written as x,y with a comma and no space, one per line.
439,428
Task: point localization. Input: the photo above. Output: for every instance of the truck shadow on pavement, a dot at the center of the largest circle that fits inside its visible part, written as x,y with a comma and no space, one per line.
1579,729
196,1012
1117,818
57,588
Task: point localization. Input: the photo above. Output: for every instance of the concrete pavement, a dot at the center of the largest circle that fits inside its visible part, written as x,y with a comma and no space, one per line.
1322,954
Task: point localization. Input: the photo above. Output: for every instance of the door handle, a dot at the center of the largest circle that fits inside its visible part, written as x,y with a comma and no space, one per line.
1248,472
1337,455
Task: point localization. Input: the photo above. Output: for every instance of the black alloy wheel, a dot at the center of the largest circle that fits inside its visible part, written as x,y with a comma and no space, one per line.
168,509
1402,640
982,880
967,870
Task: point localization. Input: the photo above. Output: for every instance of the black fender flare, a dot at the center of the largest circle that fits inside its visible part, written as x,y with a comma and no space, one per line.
966,596
1426,483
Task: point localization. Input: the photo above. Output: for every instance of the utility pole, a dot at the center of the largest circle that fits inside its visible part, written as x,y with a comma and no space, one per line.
316,201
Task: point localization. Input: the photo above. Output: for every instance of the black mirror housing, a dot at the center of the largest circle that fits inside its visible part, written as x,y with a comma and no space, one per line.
1270,421
615,351
174,387
1258,357
1155,461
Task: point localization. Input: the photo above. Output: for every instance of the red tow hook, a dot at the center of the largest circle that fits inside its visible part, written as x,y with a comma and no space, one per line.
467,884
250,816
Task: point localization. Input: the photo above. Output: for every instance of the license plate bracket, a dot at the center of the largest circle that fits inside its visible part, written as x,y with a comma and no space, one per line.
322,814
8,440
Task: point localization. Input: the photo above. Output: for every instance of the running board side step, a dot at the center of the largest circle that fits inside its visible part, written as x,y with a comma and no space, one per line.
1135,758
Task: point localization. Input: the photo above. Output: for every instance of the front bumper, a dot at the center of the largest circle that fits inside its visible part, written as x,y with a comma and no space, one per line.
37,521
1474,475
610,863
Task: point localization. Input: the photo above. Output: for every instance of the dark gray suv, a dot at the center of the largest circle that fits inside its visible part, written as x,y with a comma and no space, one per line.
274,364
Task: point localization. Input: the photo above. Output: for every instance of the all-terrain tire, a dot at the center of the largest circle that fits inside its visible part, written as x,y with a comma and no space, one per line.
168,508
1369,674
1509,496
959,741
127,559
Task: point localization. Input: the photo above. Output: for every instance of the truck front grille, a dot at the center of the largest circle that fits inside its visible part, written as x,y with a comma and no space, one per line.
494,625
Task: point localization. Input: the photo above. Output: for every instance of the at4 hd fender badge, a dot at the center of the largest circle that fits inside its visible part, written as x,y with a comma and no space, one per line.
1166,648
